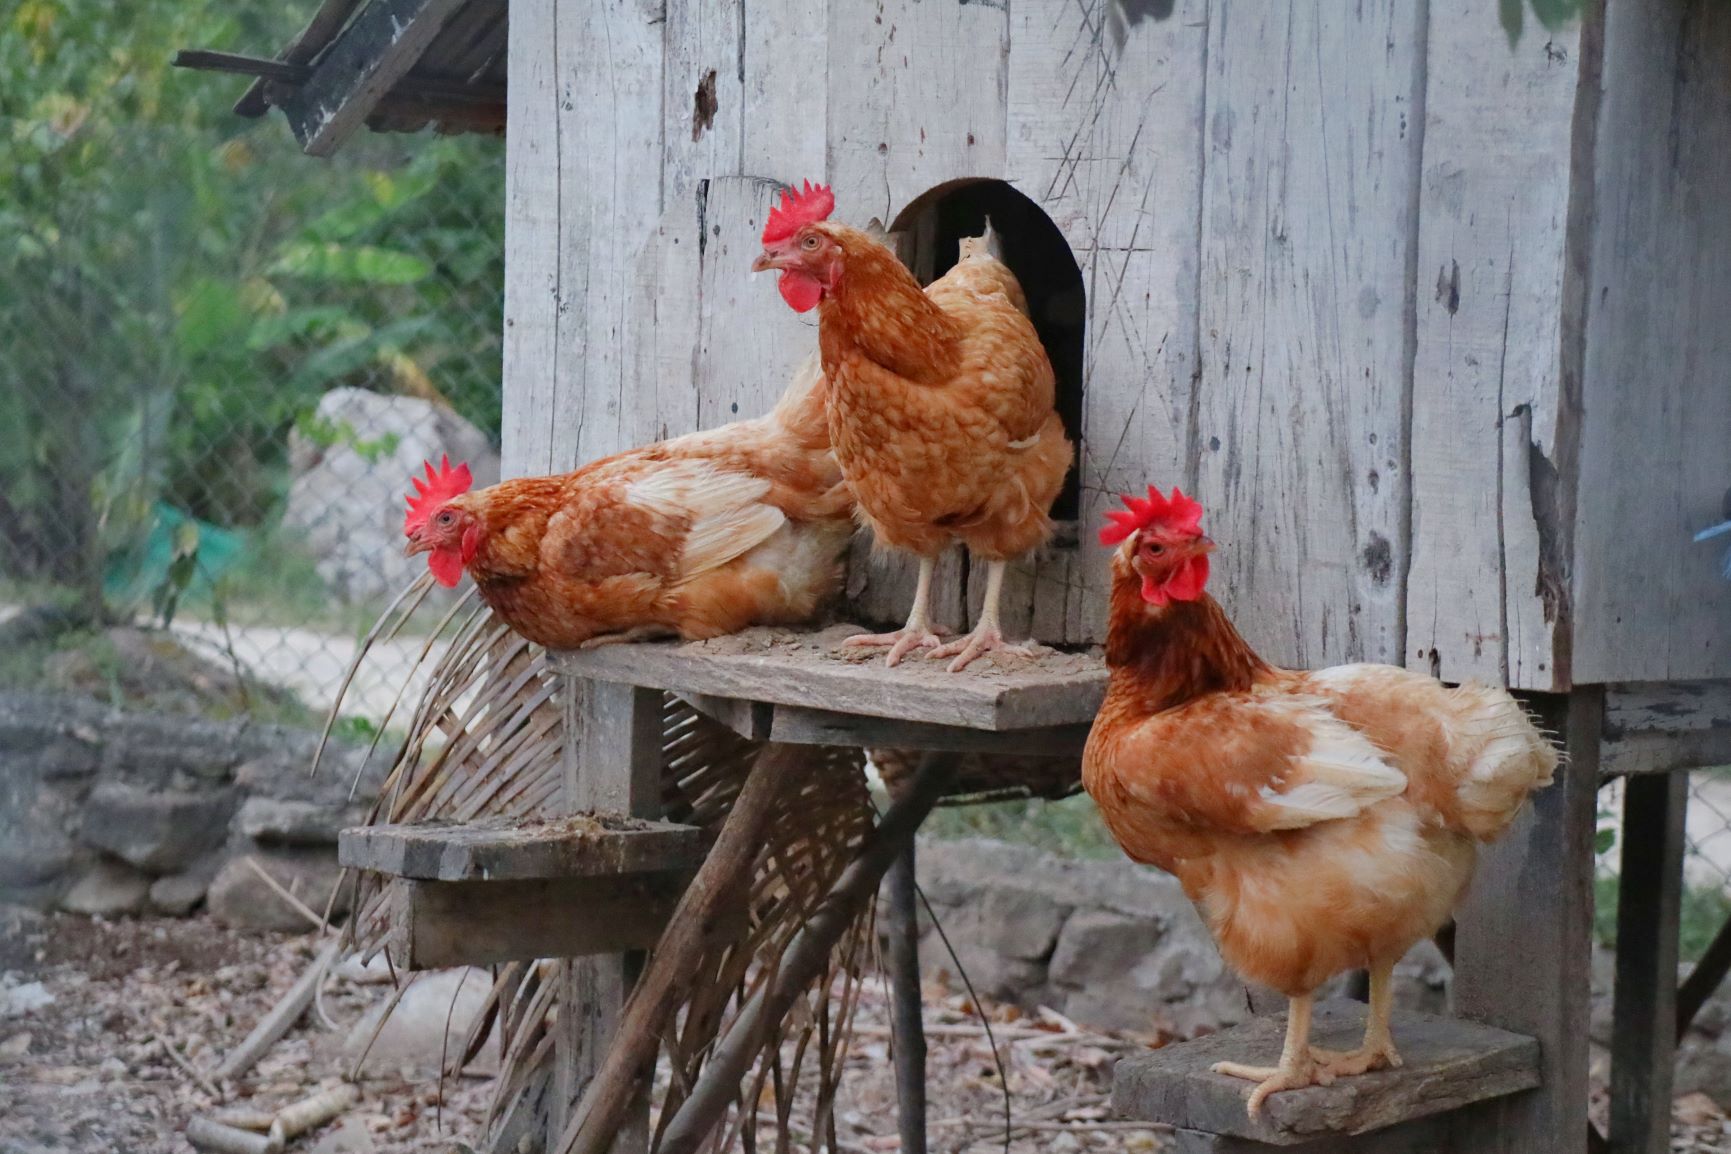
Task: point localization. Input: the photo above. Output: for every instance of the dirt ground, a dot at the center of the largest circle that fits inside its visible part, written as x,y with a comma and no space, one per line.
106,1029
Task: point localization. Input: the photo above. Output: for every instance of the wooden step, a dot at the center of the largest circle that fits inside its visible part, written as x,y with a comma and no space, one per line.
809,670
1448,1064
498,890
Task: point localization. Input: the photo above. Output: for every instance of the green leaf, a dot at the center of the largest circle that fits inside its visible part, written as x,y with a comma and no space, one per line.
211,316
1603,840
351,264
297,326
1553,14
1512,14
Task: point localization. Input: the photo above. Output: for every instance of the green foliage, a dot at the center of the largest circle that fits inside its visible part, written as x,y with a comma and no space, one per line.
1069,828
178,287
1551,14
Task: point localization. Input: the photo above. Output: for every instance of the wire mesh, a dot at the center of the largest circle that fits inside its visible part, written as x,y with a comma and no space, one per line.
223,361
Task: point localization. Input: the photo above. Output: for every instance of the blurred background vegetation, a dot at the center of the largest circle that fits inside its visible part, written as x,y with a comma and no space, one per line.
178,287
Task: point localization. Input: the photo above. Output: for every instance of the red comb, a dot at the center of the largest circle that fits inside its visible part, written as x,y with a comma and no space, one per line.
798,207
1177,513
430,495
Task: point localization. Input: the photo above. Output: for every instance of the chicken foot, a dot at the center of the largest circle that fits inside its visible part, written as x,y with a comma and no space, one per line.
1298,1066
1378,1050
918,633
987,635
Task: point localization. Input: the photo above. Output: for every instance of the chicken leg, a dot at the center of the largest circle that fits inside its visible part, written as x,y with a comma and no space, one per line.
918,633
1378,1049
1298,1066
987,635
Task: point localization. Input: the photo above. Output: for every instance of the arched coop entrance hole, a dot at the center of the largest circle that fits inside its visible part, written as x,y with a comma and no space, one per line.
929,232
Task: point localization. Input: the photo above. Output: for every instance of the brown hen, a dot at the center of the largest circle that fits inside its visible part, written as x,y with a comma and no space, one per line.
940,404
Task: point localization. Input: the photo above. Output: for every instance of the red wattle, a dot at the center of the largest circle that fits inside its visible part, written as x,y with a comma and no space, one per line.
800,290
447,567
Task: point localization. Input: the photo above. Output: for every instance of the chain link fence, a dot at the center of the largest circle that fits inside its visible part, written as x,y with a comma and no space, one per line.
223,361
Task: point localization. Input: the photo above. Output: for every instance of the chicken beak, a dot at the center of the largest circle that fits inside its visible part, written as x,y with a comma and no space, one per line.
415,545
1204,545
764,262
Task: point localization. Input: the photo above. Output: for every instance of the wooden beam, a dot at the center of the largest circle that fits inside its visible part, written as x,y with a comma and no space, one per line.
483,923
1644,1015
1523,940
1666,727
360,67
1449,1064
320,30
427,90
909,1041
806,670
500,849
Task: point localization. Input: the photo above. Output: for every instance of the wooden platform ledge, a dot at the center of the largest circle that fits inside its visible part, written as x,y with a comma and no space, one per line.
784,667
495,890
1449,1064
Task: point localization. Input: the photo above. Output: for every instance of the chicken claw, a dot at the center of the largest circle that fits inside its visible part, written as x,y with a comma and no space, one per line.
1351,1063
901,642
1273,1079
984,639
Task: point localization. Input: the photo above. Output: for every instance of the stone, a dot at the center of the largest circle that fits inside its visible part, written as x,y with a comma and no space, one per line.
432,1019
346,500
108,889
177,895
273,821
161,831
242,900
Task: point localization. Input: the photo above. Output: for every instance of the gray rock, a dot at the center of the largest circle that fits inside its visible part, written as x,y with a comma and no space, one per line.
179,894
1097,946
241,899
346,499
432,1018
273,821
161,831
109,888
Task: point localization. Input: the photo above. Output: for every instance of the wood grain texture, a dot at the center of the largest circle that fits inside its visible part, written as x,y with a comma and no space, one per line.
1535,888
1659,727
578,845
785,51
1449,1064
804,670
483,923
1105,134
1307,223
1650,603
1644,1021
703,94
1486,594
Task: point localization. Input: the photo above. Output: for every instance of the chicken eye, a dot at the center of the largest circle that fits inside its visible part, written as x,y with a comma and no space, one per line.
809,243
446,517
1154,548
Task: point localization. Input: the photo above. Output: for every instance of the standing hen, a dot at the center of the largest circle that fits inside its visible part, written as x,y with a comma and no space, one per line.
1321,822
696,537
940,404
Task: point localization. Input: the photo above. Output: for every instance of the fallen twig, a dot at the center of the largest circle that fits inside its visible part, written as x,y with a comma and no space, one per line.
192,1071
299,907
246,1119
311,1113
207,1134
280,1020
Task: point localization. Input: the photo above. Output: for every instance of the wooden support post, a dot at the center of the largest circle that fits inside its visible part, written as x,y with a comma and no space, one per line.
613,763
910,1031
1524,937
1644,1021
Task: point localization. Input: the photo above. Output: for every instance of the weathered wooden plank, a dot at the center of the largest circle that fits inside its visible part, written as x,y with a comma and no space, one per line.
613,762
1535,887
532,207
1449,1063
1490,427
806,669
483,923
1104,111
785,56
915,100
1307,226
576,845
1662,728
1650,603
703,94
354,73
800,726
1644,1019
600,118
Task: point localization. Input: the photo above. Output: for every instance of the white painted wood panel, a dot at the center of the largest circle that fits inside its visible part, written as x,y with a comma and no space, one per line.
1493,232
531,240
703,94
1105,134
786,60
1307,222
1656,450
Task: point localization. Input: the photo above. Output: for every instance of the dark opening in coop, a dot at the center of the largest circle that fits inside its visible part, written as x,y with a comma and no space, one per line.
931,229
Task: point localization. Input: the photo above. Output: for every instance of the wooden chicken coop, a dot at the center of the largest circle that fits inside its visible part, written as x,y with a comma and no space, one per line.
1432,323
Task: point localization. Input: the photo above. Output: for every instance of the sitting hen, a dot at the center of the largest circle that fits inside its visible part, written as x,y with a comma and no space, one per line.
940,404
693,537
1321,822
